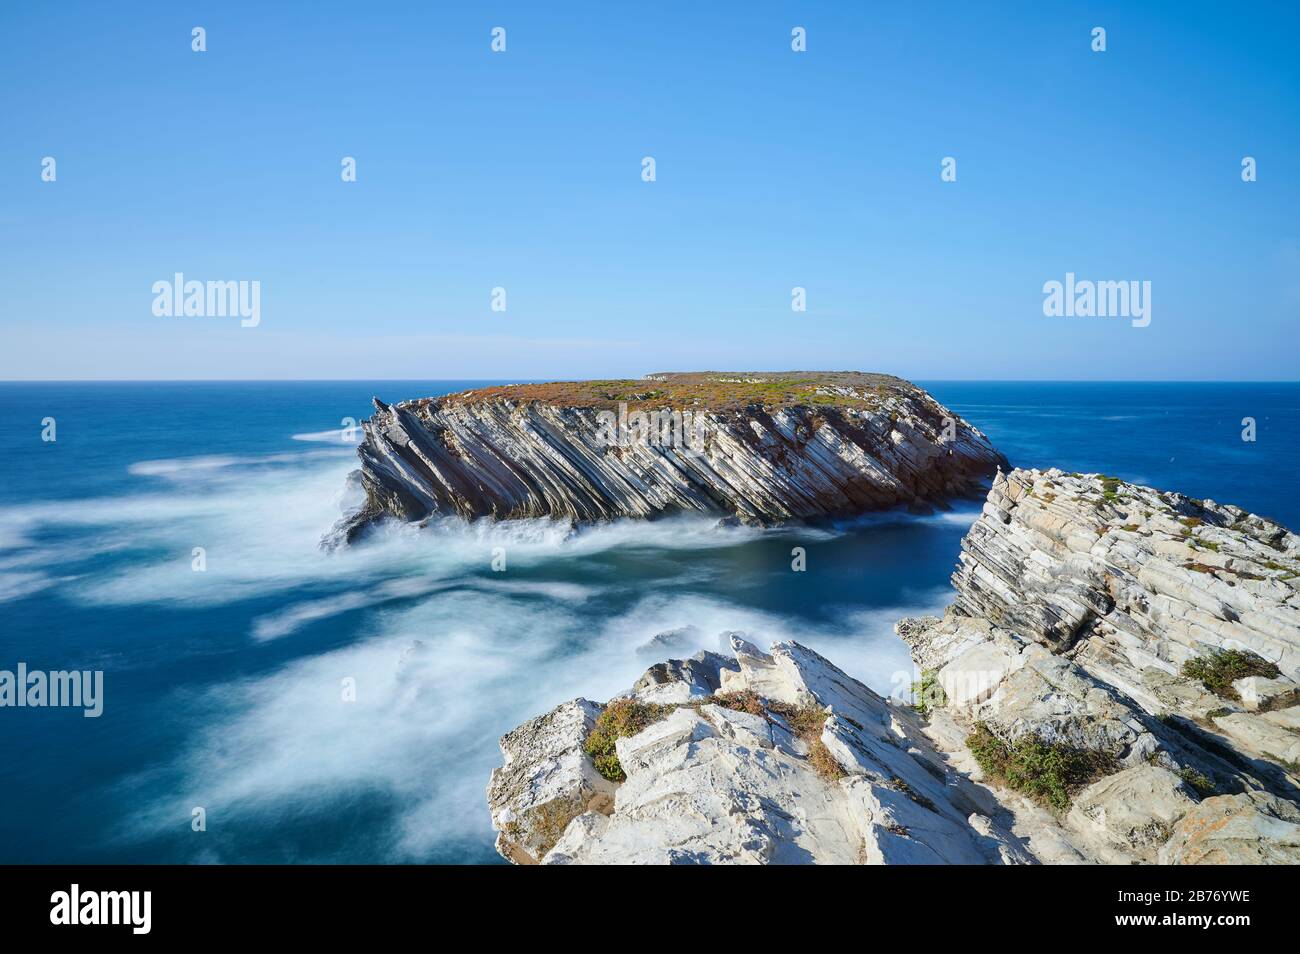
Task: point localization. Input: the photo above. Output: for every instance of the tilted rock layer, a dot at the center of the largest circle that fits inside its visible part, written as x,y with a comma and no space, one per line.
1079,599
709,783
1158,577
764,448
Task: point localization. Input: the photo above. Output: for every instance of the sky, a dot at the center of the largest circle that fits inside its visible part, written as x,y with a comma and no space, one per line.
774,169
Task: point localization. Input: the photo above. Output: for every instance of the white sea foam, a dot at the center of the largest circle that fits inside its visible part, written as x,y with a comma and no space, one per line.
432,693
294,617
12,536
436,684
446,654
860,642
963,513
20,585
350,436
180,468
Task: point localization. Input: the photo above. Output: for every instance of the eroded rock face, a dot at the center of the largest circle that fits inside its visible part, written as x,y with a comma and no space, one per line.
1259,693
1156,768
1155,577
1248,829
710,783
851,444
680,680
1067,633
1128,816
1079,599
1131,583
546,781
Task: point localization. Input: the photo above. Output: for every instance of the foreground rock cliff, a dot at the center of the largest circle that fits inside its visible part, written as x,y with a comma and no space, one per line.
1114,683
761,447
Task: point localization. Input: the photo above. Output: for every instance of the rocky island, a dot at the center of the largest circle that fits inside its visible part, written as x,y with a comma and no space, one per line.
1114,682
759,447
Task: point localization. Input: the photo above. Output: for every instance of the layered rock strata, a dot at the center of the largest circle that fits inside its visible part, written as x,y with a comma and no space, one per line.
1081,600
762,448
1171,781
1156,577
712,783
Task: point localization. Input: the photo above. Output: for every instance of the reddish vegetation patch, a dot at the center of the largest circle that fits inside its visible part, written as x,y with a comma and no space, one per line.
745,700
715,390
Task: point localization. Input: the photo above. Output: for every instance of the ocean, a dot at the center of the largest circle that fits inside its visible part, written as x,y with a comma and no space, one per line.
168,536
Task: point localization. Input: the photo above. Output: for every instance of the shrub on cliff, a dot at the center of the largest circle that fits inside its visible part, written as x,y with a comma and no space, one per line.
1049,772
621,718
1219,669
928,693
823,763
1199,781
744,700
806,722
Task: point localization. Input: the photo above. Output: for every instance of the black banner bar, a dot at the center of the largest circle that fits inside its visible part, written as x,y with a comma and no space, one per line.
332,903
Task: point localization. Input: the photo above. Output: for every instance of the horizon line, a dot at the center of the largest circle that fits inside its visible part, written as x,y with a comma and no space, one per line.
4,381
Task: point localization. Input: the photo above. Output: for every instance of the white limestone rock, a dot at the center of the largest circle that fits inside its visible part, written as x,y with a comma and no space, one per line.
975,675
1259,693
680,680
1247,829
1285,718
1050,698
1078,601
1255,734
708,784
1156,577
546,780
711,786
1128,816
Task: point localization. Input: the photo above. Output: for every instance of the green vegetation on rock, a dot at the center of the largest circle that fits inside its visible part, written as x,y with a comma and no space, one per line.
1199,781
1221,668
927,692
626,717
713,390
1048,772
621,718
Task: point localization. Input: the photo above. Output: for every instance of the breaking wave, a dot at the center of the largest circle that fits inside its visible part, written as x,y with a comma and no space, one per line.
444,652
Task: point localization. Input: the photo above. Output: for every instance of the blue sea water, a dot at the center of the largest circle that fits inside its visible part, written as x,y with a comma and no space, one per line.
224,688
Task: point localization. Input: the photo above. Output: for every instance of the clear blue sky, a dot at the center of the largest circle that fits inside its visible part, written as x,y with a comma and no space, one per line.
775,169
